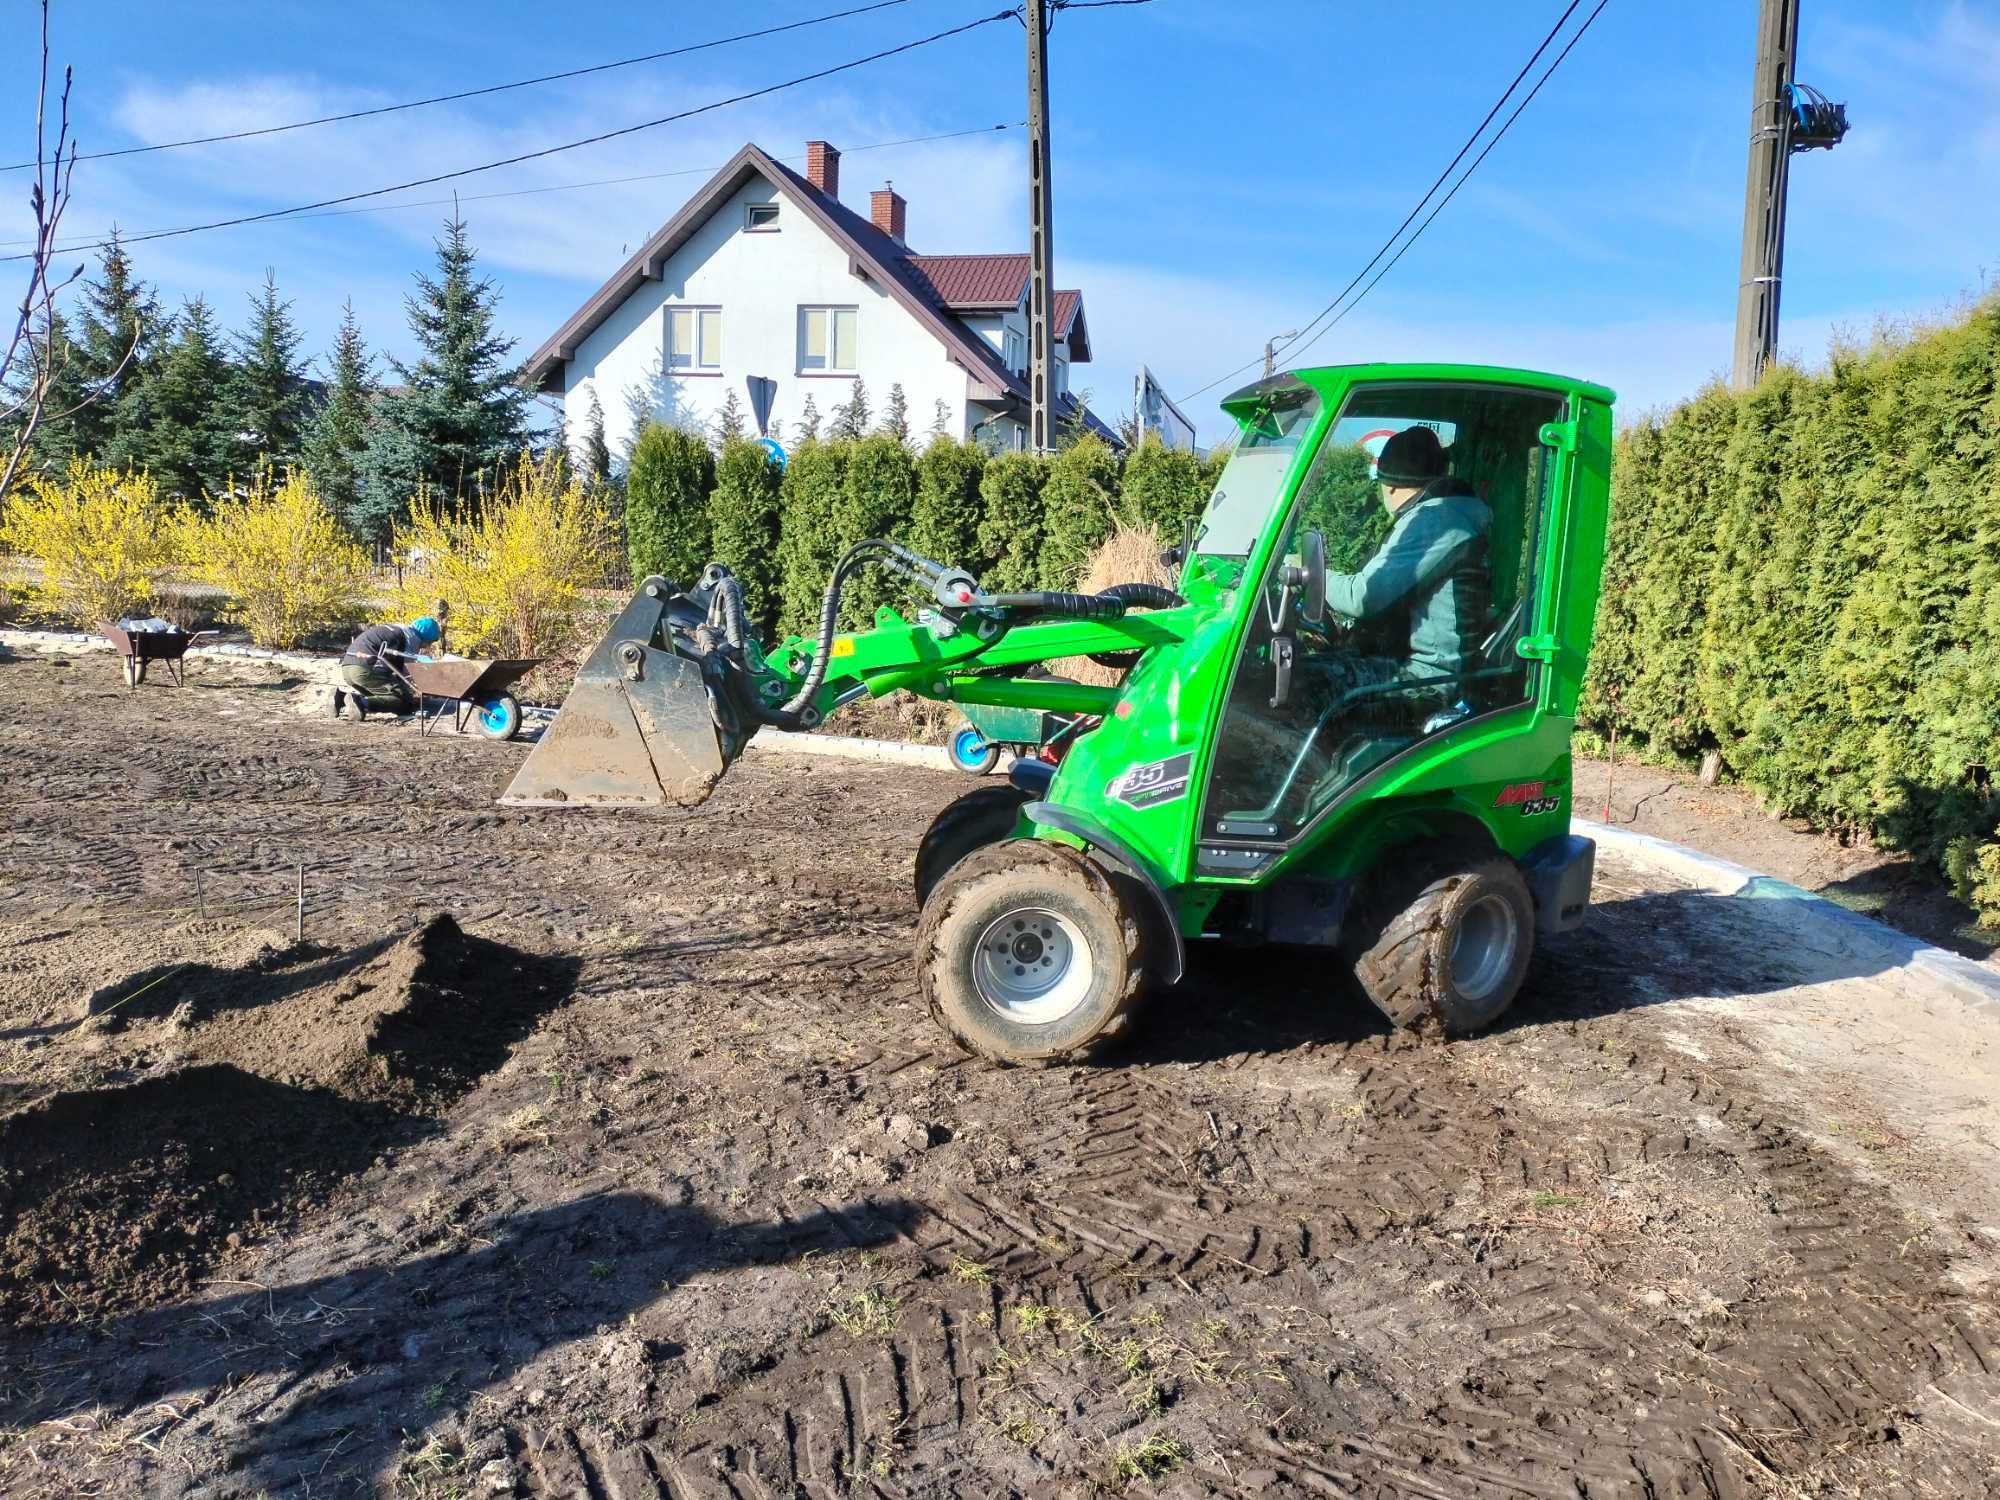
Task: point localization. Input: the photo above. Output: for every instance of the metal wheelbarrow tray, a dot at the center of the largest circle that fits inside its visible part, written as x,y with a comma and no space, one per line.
476,691
139,647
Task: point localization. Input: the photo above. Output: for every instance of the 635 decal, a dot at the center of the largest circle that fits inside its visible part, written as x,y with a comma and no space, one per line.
1530,798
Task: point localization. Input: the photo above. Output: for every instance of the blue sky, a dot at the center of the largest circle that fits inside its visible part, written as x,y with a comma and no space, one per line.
1221,169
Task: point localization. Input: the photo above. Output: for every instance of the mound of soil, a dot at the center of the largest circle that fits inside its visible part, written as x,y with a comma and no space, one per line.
240,1098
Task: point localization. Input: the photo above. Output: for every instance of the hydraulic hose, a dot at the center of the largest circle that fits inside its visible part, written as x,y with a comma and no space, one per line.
1144,595
1069,606
791,713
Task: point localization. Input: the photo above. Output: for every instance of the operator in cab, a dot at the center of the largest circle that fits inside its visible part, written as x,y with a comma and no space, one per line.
1431,569
368,665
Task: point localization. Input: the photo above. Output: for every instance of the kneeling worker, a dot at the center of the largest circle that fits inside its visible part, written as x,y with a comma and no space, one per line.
368,666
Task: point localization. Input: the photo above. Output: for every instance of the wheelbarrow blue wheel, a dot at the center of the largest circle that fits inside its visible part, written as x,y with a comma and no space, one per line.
972,754
498,717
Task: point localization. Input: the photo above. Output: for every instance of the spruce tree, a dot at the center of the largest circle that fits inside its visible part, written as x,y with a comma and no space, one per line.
896,417
460,413
940,419
595,458
809,420
269,389
64,390
191,441
850,421
337,432
121,336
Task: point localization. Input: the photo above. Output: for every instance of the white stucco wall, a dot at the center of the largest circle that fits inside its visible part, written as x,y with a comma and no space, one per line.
759,280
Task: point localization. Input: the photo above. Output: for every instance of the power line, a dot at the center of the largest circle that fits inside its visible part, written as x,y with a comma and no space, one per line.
1409,218
608,135
496,88
87,241
1525,102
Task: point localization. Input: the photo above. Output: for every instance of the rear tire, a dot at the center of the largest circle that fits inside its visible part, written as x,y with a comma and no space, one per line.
1443,941
971,753
1028,952
979,818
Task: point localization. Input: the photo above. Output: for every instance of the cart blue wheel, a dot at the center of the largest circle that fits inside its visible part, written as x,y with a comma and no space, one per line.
971,754
498,717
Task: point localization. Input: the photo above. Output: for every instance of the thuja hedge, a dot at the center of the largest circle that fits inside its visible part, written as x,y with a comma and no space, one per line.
1014,520
1804,579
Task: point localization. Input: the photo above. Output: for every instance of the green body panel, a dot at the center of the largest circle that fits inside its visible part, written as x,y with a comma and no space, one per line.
1171,703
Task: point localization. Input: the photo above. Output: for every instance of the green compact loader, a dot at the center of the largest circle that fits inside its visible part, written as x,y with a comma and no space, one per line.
1341,730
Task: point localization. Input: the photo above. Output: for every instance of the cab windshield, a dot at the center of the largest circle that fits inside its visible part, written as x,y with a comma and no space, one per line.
1275,418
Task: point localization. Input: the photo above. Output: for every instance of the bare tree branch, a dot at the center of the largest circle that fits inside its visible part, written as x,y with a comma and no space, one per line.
31,350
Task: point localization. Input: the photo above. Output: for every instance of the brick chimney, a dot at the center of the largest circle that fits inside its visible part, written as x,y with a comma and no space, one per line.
823,167
887,208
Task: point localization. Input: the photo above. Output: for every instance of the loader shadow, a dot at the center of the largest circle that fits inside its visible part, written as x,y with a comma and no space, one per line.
1635,949
350,1366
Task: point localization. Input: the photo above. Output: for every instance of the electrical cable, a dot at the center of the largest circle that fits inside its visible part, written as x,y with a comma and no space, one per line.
85,241
496,88
546,151
1409,218
1525,102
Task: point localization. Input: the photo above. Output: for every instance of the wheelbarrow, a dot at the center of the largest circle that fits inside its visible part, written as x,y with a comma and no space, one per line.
138,648
475,692
975,747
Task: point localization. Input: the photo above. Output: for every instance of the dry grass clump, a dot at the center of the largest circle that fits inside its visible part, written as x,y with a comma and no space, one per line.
1131,554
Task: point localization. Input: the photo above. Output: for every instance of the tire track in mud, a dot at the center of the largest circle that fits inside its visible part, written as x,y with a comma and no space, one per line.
1549,1376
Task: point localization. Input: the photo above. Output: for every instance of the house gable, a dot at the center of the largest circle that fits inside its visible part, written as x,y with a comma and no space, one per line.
873,256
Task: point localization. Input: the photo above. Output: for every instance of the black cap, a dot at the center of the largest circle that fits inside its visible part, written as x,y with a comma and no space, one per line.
1413,456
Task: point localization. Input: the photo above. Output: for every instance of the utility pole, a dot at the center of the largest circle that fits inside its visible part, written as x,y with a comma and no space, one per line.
1271,350
1041,297
1762,270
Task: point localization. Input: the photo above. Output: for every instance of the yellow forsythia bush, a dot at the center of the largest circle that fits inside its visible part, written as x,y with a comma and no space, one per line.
103,537
513,574
281,557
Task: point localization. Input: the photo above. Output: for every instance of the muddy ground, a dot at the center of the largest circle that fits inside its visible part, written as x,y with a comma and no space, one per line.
612,1155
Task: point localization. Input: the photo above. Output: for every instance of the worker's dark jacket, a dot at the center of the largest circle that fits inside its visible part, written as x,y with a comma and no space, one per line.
1433,564
366,649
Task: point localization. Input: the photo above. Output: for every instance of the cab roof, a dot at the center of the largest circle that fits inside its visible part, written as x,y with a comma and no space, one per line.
1326,379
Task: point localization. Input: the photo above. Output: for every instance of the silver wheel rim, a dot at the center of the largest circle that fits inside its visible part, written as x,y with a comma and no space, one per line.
1032,965
1482,949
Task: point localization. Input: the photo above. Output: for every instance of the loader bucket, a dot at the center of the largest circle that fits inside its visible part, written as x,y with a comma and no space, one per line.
636,729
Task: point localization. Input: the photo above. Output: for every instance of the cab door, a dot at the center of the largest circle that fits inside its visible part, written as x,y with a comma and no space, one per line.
1426,604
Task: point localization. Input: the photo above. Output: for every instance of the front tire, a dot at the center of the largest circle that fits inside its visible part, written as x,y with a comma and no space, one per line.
1444,941
1028,952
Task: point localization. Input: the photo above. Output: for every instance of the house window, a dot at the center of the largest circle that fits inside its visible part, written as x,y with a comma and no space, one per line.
760,217
1015,351
694,338
826,338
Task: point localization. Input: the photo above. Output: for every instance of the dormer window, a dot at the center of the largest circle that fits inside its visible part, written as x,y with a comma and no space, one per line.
760,218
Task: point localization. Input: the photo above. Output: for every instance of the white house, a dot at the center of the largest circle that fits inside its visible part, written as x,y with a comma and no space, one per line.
764,275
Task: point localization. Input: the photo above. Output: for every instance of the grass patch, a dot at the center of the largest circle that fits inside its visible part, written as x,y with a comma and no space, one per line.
869,1314
1157,1456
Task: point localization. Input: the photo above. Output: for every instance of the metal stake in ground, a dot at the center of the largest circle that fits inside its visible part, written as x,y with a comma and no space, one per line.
299,930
